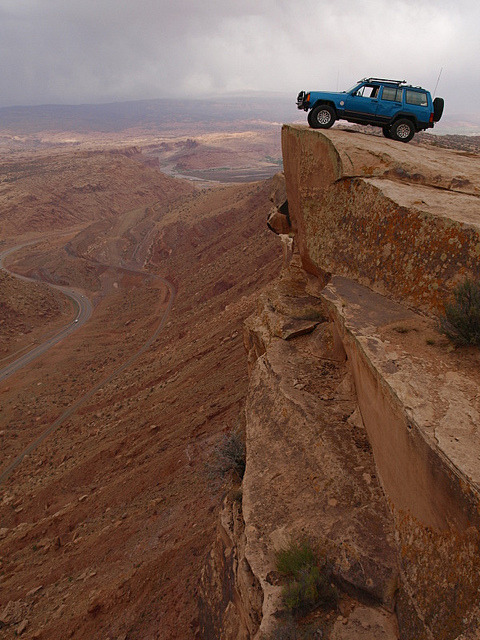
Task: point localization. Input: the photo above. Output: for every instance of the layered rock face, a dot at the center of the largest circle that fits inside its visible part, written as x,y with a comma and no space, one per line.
361,420
310,474
310,469
403,221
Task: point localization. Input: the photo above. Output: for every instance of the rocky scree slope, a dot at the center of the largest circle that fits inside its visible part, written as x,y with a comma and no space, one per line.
104,528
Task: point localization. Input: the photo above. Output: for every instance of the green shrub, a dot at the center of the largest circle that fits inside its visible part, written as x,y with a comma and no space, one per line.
308,578
295,557
228,457
461,322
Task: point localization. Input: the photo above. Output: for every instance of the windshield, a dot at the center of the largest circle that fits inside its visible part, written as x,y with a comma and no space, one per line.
355,86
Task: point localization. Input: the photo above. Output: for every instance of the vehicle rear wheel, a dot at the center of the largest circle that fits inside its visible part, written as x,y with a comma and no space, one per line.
321,117
386,132
402,130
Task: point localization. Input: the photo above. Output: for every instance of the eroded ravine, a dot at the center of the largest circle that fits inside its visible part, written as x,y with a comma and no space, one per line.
85,310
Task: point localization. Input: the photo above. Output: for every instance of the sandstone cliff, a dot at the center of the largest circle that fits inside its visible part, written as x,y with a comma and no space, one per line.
361,421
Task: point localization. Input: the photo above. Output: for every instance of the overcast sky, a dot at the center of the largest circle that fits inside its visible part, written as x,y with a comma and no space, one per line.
77,51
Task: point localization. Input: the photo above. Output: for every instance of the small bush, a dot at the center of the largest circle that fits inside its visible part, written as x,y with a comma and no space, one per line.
305,591
308,579
228,457
461,322
401,329
296,556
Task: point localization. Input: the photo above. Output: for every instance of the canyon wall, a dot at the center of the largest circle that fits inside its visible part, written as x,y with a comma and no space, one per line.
361,419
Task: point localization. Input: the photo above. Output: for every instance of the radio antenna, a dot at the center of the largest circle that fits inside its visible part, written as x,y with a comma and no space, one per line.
438,80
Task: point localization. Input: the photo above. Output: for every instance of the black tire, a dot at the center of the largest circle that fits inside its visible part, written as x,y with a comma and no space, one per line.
386,132
402,130
309,119
321,117
438,105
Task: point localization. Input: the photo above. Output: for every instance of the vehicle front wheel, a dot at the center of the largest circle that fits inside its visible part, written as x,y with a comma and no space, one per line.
321,117
402,130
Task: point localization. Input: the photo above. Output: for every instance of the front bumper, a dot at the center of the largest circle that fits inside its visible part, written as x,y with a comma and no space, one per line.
303,100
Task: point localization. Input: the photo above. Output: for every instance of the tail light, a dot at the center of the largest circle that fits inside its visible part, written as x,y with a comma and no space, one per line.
431,118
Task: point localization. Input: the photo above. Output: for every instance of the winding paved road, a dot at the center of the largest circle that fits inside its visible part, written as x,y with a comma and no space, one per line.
84,311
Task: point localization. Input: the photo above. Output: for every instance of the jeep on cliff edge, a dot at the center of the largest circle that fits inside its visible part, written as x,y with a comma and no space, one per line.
399,108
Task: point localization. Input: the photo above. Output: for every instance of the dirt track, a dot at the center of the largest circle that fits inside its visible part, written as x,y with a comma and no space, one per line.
84,312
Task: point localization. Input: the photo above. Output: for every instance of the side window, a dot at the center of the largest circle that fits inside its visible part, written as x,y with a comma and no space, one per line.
418,98
392,94
368,91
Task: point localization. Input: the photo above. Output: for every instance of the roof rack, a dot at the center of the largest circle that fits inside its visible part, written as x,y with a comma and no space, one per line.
383,80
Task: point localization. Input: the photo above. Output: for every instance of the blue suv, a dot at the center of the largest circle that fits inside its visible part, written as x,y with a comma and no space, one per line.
400,109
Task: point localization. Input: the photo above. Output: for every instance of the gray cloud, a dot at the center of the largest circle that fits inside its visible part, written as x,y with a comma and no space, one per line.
102,50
